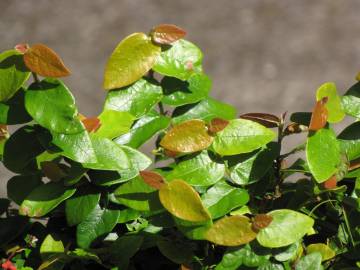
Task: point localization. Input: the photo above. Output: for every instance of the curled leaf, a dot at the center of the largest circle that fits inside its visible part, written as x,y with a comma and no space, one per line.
319,115
42,60
91,124
153,179
217,124
167,33
265,119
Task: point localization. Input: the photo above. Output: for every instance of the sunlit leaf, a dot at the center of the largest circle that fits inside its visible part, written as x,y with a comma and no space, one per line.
114,123
153,179
326,252
42,60
51,246
265,119
351,100
310,262
319,115
333,104
167,33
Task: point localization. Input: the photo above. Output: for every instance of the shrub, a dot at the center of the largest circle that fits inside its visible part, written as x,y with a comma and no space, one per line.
220,193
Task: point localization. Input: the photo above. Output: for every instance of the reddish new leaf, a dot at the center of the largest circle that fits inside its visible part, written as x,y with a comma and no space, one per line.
91,124
261,221
42,60
153,179
217,124
8,265
22,48
331,183
167,33
354,164
319,115
265,119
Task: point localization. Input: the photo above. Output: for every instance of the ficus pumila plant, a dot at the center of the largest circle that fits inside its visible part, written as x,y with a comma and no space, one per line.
219,192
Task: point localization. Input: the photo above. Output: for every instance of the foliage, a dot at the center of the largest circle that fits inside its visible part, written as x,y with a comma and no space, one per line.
220,192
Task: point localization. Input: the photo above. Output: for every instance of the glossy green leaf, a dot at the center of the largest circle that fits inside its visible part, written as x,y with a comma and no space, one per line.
198,170
326,252
99,222
128,214
51,246
310,262
178,252
114,123
20,186
137,99
79,206
250,167
180,60
193,230
231,231
351,101
13,110
178,92
45,198
333,104
182,201
323,154
137,195
144,129
221,198
205,110
271,266
349,140
52,105
132,58
287,227
241,136
13,73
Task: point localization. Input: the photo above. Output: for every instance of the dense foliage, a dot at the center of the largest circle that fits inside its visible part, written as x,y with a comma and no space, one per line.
218,194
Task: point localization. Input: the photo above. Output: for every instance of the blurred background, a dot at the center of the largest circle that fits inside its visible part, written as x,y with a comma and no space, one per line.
262,56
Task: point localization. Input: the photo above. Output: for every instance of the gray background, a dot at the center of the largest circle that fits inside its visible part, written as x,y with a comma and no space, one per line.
266,55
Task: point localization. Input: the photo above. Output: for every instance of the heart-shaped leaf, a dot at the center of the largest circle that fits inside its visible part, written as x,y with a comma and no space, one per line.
167,33
187,137
333,105
131,59
13,73
42,60
231,231
182,201
319,115
241,136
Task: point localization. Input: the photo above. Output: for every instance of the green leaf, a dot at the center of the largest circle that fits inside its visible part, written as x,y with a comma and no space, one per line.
310,262
114,124
333,104
287,227
349,140
241,136
351,101
251,167
137,195
13,111
323,154
182,201
20,186
137,99
124,248
132,58
287,253
231,231
181,60
326,252
45,198
144,129
128,214
99,222
271,266
198,170
13,73
79,206
176,251
51,246
83,255
77,147
178,92
52,105
205,110
222,198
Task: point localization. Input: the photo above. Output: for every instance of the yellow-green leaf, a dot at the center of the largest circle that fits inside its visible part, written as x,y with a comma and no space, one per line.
182,201
187,137
333,104
51,246
231,231
326,252
131,59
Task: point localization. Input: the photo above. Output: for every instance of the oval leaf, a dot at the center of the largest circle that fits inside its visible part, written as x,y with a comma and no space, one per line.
333,105
167,33
182,201
131,59
231,231
187,137
42,60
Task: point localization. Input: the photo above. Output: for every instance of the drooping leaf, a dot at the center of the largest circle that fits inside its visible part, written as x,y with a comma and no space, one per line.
99,222
199,170
153,179
178,92
319,115
137,99
231,231
323,154
52,105
287,227
144,129
13,73
351,101
13,111
51,246
310,262
326,252
221,198
132,58
265,119
187,137
45,198
349,140
241,136
167,33
333,105
205,110
181,60
114,123
42,60
182,201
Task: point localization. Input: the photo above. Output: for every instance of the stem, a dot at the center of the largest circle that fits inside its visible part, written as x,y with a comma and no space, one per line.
279,159
318,205
348,227
36,79
161,108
